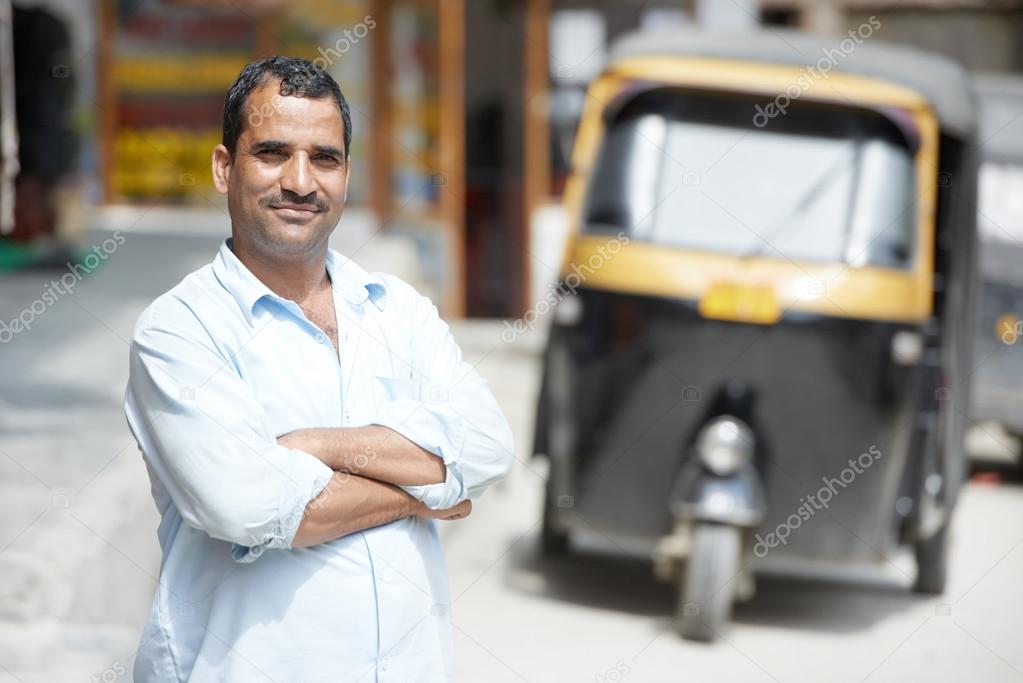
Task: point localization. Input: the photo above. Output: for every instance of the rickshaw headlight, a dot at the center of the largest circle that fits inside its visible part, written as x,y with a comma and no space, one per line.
725,445
907,347
568,311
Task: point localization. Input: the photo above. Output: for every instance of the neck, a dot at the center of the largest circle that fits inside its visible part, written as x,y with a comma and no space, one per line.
295,277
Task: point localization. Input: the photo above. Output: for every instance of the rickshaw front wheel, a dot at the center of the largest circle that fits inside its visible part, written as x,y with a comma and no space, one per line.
707,586
552,540
932,563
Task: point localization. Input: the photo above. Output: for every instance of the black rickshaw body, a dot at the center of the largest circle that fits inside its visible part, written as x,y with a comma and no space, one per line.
697,283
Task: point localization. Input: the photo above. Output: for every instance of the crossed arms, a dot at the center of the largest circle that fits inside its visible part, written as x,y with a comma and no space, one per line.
369,464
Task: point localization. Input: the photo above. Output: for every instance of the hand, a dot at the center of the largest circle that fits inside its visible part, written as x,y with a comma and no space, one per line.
460,511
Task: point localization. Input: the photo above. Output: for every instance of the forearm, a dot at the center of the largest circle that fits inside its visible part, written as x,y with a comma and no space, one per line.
351,503
373,452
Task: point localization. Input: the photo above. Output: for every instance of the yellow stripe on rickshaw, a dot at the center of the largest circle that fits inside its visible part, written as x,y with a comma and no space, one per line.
757,290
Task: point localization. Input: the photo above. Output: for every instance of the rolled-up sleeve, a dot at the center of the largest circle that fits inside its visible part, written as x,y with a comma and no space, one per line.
449,411
203,434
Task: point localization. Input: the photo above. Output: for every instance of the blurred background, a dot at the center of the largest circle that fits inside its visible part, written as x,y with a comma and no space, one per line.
465,115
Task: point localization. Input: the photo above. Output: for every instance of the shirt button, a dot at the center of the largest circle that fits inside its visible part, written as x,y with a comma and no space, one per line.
320,339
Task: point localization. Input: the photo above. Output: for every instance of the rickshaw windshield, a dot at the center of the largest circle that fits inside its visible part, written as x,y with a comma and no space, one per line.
706,172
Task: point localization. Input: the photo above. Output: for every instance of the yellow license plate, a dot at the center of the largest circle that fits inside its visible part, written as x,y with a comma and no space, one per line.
741,303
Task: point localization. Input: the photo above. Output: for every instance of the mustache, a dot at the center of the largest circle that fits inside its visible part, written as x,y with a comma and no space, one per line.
291,198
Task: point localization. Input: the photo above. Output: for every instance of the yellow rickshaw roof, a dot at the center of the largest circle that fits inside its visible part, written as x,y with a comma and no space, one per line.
942,81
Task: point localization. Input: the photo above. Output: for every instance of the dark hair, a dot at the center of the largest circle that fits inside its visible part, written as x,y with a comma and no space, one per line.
298,77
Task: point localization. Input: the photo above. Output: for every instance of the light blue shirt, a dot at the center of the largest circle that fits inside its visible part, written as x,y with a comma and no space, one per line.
220,367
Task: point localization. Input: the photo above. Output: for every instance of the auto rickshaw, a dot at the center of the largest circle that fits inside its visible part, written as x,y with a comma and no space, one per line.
761,354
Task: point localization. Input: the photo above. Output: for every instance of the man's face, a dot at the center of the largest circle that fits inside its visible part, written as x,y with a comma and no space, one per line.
287,183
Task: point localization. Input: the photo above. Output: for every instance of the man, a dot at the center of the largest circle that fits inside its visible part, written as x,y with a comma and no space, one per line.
303,423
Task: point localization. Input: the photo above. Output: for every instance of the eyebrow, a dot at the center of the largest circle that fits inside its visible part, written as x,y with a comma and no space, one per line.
329,149
269,144
264,145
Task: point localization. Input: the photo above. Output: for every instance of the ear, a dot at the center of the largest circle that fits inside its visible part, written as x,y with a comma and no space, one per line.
221,168
348,175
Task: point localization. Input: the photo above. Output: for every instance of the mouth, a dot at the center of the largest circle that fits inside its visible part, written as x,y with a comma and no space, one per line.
298,208
295,212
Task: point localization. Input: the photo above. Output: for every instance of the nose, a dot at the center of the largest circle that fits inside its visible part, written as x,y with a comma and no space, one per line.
297,176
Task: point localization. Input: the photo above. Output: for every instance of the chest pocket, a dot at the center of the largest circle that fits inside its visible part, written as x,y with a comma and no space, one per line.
390,371
388,343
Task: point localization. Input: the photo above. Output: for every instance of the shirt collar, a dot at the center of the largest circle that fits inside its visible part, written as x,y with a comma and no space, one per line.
353,282
347,278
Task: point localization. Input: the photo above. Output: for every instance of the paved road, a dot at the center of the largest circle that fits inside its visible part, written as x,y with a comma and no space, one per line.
78,552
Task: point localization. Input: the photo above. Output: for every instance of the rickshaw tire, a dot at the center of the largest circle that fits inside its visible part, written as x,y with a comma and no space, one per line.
707,586
932,563
552,541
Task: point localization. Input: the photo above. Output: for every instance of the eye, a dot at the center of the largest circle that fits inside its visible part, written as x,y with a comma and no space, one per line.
326,158
271,153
